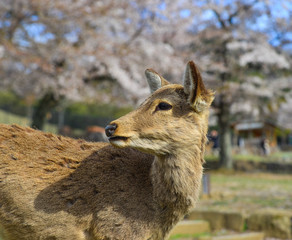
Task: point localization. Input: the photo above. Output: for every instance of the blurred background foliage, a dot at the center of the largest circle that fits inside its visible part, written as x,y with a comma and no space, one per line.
78,63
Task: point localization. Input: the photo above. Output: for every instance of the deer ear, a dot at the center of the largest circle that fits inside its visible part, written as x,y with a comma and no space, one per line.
154,80
198,96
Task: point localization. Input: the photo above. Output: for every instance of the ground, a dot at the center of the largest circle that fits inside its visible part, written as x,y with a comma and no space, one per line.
248,191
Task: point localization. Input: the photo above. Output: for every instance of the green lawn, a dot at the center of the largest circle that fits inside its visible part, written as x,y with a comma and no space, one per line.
188,236
248,192
9,118
279,156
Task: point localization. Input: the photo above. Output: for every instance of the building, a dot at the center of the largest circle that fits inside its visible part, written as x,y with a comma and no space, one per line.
254,136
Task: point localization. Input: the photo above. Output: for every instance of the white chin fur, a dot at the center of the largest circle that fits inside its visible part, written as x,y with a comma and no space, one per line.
119,143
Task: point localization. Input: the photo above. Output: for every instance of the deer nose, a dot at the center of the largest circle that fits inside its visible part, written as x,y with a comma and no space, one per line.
110,129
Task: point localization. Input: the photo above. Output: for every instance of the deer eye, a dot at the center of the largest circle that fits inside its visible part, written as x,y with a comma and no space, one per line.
164,106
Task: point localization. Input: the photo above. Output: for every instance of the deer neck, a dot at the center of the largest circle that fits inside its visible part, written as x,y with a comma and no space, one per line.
176,178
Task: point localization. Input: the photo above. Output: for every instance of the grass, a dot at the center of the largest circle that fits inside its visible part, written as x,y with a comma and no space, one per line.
9,118
193,236
274,157
249,157
248,192
282,156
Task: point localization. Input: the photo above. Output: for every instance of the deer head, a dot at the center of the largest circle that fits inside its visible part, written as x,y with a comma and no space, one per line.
173,118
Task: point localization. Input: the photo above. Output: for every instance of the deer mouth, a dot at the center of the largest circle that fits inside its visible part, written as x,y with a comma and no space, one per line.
117,138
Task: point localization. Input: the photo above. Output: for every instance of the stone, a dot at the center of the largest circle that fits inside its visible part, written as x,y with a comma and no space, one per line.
220,220
215,219
275,223
234,221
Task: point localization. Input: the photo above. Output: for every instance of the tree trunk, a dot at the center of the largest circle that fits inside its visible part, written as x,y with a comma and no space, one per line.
225,157
43,107
61,119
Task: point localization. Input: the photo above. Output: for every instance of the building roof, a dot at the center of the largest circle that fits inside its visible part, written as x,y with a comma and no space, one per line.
251,125
248,126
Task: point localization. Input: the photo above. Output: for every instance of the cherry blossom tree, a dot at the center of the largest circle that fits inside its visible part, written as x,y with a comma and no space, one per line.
54,51
74,49
240,63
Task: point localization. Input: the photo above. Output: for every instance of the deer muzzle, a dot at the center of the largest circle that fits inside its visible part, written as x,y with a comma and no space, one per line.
110,129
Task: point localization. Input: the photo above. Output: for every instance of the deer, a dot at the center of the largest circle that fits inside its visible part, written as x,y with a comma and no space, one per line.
138,185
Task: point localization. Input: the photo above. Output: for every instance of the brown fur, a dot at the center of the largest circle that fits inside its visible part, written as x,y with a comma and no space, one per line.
53,187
